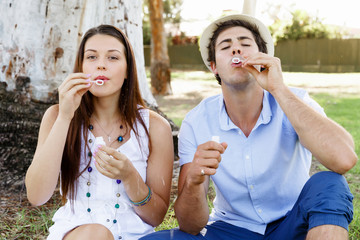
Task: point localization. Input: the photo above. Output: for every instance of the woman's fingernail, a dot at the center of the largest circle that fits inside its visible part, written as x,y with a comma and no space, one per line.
88,80
88,75
97,149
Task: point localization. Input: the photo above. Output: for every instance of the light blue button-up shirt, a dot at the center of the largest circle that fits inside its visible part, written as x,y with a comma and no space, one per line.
260,176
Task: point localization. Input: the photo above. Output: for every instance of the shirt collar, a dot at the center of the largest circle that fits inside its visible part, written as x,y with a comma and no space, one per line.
264,118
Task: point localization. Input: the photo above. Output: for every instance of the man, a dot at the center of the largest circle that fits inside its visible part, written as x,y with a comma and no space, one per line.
268,134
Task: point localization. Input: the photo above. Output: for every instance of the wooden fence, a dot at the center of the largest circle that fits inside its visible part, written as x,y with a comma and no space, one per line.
304,55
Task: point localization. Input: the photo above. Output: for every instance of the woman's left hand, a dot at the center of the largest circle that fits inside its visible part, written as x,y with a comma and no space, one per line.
112,163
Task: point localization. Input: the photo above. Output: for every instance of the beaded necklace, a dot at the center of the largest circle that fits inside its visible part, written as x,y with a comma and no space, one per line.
100,141
107,134
120,138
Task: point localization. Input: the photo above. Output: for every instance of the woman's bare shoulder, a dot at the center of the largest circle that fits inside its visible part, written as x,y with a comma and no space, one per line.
52,112
157,121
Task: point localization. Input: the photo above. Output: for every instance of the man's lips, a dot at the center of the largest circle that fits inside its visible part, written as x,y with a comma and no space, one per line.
237,61
236,64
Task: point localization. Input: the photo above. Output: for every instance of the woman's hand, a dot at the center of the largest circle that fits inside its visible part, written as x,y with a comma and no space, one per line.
113,164
71,91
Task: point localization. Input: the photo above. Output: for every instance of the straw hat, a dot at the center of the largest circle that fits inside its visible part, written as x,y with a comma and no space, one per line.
209,31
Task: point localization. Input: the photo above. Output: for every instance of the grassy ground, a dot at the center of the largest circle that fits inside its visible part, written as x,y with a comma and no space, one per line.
337,93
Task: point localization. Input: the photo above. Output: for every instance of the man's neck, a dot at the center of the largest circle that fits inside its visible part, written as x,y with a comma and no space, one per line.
244,107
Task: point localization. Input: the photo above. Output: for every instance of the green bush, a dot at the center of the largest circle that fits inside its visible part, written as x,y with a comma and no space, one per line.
302,25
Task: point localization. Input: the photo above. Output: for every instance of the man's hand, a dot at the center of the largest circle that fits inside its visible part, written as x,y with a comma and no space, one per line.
206,160
271,78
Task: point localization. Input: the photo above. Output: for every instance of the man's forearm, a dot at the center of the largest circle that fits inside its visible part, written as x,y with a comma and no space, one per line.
191,208
330,143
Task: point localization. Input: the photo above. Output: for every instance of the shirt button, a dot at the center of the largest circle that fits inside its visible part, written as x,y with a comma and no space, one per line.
239,132
259,210
247,157
251,187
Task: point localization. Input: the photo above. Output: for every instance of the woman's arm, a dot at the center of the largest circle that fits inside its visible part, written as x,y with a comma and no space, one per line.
158,173
43,173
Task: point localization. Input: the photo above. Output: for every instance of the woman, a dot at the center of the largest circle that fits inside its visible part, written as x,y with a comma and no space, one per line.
113,155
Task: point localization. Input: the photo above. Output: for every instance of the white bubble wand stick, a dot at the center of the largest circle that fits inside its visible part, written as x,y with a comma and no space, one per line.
98,82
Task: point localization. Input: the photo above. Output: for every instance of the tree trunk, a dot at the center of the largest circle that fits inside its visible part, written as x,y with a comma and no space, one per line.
160,63
249,7
39,39
38,45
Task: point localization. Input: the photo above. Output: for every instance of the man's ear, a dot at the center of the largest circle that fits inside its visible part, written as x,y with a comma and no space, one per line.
213,67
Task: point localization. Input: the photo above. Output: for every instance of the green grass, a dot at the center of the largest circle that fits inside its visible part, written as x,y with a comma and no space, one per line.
24,222
345,110
21,221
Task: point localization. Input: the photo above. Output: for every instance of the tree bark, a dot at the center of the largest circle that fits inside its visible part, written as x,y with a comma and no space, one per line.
249,7
160,63
39,39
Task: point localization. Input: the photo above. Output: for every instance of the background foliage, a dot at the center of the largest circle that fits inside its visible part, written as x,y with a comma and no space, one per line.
302,25
172,10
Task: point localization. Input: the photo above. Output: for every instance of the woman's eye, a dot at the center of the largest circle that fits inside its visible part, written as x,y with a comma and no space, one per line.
245,45
224,48
91,57
113,58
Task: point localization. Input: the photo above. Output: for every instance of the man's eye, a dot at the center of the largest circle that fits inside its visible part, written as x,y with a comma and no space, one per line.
224,48
245,45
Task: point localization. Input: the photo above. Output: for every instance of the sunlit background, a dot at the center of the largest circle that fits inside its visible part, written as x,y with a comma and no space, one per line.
197,13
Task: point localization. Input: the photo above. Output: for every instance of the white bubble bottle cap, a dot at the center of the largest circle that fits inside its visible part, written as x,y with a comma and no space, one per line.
215,139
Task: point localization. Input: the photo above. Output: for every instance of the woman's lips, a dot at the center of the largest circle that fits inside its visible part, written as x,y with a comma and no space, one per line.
101,78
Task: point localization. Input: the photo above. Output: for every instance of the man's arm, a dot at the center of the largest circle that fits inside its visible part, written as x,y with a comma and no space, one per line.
330,143
191,206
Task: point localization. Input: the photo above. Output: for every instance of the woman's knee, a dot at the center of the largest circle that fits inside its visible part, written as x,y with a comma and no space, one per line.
90,231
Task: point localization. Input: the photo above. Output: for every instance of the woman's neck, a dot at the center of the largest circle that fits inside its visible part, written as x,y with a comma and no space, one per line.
106,110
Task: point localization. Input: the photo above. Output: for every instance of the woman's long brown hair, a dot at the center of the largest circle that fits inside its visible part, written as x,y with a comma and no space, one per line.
129,103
